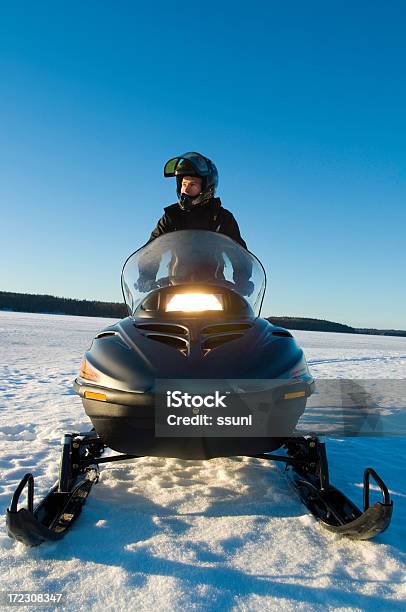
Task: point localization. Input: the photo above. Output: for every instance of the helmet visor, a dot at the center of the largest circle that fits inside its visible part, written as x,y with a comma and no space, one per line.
198,162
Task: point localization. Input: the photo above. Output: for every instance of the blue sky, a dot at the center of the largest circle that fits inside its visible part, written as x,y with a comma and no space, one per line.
300,104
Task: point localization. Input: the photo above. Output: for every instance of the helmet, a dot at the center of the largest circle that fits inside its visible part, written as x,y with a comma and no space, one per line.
193,164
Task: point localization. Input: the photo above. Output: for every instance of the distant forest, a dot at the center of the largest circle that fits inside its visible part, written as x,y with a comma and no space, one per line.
48,304
329,326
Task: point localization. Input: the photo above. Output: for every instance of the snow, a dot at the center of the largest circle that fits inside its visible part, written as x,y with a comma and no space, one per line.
167,534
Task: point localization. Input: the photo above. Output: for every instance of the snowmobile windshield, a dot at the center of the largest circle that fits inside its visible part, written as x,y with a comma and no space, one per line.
190,258
198,162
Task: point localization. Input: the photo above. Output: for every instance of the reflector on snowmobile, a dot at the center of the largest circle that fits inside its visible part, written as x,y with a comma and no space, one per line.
97,396
294,395
86,371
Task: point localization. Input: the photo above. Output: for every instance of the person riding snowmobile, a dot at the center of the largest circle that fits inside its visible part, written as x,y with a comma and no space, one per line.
197,208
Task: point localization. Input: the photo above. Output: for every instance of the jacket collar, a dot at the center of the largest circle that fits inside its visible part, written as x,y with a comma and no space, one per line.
214,204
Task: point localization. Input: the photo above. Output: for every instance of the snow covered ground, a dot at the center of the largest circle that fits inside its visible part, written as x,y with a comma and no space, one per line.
224,534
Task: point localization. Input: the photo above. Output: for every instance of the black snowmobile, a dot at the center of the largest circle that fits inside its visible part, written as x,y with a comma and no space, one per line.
194,299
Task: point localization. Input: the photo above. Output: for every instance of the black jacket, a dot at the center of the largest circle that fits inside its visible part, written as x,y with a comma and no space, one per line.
211,216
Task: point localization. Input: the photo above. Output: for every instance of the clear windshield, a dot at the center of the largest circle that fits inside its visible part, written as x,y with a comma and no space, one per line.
190,257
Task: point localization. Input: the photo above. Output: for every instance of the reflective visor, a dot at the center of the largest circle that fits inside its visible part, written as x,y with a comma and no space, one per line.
198,162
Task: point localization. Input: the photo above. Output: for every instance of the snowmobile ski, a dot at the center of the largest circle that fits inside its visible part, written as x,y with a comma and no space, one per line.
307,469
53,516
58,510
306,466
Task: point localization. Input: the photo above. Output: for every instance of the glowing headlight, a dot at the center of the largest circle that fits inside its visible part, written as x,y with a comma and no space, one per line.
194,302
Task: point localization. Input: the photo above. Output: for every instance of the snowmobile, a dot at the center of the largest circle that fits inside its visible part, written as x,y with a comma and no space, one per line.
194,299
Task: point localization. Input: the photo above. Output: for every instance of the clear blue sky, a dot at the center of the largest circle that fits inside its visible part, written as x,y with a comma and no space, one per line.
300,104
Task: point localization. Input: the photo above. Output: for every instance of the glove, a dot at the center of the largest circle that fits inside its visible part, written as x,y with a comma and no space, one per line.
144,285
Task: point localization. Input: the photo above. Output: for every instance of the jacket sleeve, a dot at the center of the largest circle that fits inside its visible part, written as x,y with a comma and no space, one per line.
231,229
163,226
242,267
148,265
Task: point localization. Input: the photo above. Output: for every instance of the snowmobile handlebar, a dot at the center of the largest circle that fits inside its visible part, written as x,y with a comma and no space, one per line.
146,285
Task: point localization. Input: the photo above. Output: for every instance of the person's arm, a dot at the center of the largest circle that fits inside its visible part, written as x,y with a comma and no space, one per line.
231,229
242,266
162,227
148,265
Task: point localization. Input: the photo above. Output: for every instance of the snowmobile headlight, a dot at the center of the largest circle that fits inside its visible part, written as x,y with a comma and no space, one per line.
86,371
194,302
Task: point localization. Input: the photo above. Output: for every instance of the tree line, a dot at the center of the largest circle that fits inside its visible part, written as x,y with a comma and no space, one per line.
49,304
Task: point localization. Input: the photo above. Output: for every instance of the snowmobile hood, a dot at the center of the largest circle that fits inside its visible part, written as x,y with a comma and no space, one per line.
132,354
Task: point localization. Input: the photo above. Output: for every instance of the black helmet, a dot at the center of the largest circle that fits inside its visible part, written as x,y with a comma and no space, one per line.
193,164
